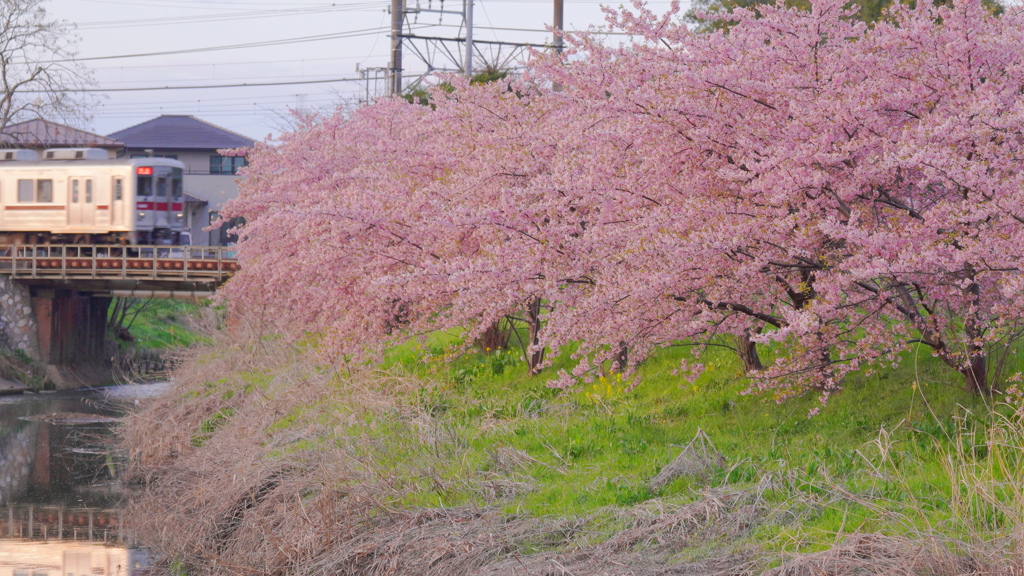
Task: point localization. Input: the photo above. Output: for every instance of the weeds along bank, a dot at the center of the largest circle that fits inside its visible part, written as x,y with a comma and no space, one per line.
261,461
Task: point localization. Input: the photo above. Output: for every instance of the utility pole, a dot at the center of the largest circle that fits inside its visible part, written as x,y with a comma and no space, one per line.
556,39
559,25
397,19
449,53
469,38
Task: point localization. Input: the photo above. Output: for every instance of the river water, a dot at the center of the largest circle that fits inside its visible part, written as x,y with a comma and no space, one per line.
60,500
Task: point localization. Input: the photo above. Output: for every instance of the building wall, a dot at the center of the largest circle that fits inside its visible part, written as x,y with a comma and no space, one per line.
216,189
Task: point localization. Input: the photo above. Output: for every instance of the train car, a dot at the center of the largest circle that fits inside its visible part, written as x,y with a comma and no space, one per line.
81,196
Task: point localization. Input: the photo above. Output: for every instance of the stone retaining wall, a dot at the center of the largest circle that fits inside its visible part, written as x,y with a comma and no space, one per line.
17,324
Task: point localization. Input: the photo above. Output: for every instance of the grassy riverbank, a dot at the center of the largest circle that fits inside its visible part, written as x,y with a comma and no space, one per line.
263,461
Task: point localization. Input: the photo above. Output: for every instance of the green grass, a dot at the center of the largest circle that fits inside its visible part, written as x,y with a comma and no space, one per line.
903,451
875,449
162,325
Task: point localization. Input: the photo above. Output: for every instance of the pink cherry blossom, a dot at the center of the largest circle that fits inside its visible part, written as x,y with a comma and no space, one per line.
837,191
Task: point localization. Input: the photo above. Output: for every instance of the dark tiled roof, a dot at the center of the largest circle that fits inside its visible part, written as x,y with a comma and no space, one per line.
46,134
181,133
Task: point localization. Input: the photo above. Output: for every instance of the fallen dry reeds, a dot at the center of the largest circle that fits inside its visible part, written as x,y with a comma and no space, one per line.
262,462
874,554
254,464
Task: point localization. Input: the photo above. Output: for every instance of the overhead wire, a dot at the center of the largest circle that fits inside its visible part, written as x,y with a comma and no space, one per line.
233,17
199,87
223,64
249,10
200,4
278,42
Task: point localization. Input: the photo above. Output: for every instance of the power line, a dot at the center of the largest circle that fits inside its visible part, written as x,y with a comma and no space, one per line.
200,19
209,64
238,79
200,4
201,101
203,87
298,40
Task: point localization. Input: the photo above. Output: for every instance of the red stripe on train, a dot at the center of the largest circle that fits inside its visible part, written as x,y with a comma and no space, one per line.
157,205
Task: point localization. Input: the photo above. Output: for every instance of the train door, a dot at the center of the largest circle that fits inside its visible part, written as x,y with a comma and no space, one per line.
81,202
117,202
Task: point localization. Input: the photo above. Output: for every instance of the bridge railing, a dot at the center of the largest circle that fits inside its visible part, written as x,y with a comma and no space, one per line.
81,261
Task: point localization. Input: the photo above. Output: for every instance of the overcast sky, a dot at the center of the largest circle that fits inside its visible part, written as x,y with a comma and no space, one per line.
312,49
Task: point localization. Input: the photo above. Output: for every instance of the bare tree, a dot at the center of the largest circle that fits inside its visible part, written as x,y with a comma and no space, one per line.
39,77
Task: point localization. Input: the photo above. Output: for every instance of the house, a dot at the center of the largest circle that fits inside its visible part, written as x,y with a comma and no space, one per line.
41,135
210,177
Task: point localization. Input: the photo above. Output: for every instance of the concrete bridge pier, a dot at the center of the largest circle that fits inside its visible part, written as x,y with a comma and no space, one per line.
71,329
63,329
54,298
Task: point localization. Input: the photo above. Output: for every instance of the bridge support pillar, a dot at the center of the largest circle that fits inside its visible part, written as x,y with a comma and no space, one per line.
72,334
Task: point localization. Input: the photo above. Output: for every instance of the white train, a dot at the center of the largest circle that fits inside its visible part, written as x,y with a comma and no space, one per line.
81,196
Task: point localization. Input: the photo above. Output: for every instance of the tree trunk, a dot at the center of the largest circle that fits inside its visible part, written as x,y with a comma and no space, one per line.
533,320
496,337
621,359
976,371
748,353
976,375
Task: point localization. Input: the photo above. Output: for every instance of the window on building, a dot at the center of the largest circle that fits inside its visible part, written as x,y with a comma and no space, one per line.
226,164
220,236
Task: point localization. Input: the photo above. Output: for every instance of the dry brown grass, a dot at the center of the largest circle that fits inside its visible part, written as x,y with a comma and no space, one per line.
697,459
881,555
254,464
259,463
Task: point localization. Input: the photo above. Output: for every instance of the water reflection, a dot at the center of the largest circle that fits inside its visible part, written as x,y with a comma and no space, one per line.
60,502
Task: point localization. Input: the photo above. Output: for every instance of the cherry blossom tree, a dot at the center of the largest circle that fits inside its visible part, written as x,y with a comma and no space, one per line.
843,155
838,191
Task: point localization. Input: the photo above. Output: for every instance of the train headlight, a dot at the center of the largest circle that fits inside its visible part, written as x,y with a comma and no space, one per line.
179,215
142,215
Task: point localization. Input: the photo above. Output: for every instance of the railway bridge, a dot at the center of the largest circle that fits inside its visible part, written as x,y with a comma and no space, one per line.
54,298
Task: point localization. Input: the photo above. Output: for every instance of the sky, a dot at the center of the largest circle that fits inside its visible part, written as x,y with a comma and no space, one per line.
244,65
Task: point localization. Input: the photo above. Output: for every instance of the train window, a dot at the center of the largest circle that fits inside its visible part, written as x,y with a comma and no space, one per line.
44,190
161,187
26,191
35,190
176,188
118,188
145,187
88,191
74,191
